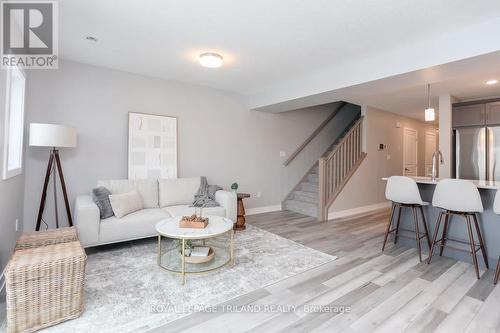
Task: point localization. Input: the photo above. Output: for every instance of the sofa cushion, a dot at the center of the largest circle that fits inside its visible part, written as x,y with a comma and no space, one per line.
147,188
185,210
135,225
178,191
126,203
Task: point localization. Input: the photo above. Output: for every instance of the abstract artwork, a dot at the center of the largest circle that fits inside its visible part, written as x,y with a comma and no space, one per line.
152,146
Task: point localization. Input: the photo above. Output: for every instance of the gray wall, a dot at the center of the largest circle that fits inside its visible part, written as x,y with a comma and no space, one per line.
218,136
366,186
11,194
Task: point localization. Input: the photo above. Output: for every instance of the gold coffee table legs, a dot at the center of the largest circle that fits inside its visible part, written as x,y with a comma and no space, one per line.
183,254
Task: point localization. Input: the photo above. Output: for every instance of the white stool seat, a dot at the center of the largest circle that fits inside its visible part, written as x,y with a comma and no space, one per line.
457,195
403,190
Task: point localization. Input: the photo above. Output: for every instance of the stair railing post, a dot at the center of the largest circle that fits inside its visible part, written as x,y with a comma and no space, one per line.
322,188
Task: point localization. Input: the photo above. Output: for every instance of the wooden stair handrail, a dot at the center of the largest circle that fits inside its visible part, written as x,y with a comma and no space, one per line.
339,165
337,147
314,134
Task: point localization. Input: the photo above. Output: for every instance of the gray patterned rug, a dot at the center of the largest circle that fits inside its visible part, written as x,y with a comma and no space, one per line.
124,281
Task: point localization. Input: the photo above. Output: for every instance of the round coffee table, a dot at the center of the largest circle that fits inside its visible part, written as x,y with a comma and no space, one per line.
173,259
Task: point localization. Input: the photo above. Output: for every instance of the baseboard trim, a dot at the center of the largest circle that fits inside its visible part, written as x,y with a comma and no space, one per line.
358,210
263,209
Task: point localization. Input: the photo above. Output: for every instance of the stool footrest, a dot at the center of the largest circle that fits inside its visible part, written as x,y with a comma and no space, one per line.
421,235
438,243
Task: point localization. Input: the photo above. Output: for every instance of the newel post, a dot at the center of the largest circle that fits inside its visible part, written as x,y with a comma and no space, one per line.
323,215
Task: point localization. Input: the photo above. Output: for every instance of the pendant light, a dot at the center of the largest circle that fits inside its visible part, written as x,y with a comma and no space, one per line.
430,114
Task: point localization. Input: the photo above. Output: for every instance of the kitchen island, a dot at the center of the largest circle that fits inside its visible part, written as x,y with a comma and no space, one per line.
489,222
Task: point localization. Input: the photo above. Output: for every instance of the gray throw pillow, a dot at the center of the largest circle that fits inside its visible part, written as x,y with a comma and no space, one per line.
100,196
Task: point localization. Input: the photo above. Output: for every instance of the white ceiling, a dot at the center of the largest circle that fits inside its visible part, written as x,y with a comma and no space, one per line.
264,42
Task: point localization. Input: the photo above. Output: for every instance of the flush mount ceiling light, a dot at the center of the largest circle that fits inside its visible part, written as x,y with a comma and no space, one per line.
210,60
430,114
491,82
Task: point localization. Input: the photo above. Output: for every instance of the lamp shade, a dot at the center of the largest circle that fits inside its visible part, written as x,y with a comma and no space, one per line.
52,135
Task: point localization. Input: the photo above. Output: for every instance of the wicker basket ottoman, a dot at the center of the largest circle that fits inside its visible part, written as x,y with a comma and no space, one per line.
30,240
45,286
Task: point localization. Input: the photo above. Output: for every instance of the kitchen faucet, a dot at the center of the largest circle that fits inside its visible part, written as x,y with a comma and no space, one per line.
435,155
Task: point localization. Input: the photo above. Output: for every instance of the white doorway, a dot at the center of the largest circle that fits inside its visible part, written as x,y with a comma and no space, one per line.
430,148
410,152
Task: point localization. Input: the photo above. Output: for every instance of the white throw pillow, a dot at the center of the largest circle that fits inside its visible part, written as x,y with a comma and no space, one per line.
126,203
147,188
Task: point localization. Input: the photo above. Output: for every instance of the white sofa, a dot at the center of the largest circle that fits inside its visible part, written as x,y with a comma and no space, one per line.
162,198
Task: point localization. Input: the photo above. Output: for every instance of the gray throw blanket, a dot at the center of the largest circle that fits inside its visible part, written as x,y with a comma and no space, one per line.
205,197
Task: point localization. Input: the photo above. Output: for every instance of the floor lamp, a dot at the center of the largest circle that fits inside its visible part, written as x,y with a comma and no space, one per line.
54,136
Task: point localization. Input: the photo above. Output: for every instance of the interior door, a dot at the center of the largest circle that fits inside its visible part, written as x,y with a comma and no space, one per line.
410,152
430,148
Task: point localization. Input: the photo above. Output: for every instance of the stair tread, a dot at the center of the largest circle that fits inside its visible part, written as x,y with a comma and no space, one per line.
301,207
301,203
306,193
304,198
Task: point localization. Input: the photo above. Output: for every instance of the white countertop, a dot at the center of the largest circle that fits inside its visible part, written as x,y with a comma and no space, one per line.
486,184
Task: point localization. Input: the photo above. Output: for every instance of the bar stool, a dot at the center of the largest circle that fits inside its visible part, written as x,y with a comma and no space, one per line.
458,197
496,209
404,193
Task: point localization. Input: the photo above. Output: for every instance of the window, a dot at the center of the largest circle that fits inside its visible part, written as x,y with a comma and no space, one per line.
14,123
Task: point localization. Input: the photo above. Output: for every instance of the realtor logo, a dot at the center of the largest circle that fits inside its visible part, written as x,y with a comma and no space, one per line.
29,34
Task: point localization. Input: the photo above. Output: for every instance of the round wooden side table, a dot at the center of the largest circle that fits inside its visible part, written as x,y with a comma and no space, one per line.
240,221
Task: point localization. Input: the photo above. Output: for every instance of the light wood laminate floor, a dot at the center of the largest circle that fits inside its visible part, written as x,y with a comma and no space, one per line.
386,292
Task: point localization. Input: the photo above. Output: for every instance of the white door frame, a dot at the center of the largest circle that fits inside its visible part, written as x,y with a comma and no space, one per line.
434,134
404,149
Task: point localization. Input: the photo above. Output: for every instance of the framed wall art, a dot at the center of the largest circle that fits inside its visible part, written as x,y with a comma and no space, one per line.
152,146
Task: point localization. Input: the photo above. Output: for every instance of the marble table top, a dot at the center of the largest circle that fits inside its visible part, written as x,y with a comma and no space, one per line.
217,225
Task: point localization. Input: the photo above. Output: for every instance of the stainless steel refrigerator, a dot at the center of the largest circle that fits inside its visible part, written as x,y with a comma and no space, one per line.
477,153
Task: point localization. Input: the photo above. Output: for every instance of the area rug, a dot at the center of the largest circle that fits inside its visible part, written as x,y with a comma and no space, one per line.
125,287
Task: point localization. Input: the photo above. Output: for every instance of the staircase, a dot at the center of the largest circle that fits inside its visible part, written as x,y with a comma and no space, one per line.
317,190
304,198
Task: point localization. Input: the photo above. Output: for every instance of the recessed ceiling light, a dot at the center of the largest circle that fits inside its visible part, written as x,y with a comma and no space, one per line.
91,39
490,82
210,60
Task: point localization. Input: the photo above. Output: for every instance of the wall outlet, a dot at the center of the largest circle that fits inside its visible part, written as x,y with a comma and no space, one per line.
17,224
259,194
282,154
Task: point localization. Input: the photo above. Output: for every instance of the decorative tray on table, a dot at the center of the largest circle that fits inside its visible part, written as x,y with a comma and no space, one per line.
193,221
